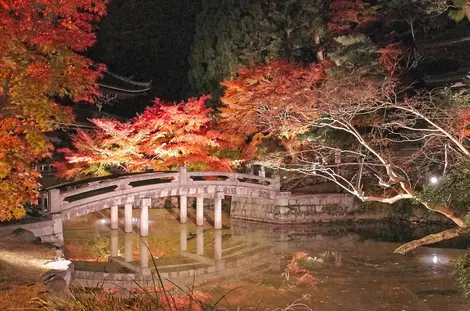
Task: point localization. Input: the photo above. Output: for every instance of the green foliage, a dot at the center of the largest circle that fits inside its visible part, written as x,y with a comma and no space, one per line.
457,13
451,98
467,220
454,190
462,274
354,51
456,8
230,34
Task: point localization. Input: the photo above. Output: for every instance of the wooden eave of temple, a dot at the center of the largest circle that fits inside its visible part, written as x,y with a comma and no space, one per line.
456,35
113,88
447,57
121,87
456,79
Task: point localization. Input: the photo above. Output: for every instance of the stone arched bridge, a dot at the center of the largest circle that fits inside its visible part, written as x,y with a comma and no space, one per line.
70,200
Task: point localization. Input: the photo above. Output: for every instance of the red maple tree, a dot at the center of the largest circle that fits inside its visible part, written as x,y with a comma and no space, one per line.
40,45
165,136
349,14
271,99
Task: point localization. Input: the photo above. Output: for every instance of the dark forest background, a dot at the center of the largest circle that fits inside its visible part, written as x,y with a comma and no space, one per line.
187,47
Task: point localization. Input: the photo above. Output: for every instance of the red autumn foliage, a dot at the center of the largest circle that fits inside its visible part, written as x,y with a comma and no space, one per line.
298,275
349,14
163,137
389,56
463,123
265,98
40,44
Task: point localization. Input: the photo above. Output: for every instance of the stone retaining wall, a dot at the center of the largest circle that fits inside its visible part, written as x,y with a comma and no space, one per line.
299,209
49,230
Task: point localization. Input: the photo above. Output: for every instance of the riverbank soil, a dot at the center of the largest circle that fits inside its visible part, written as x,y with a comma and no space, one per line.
21,267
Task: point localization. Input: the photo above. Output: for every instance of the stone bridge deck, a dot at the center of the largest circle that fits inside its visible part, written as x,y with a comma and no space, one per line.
75,199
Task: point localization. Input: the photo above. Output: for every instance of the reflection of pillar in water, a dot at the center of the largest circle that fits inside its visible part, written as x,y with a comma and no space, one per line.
218,249
144,256
183,209
200,211
283,240
218,244
144,216
200,241
128,247
218,210
114,217
128,217
183,237
338,259
114,243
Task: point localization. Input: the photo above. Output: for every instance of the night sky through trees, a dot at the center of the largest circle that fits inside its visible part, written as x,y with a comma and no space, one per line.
172,42
148,40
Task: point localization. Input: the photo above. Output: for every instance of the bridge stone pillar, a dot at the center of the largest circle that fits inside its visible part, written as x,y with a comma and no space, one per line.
128,217
114,243
53,200
183,175
114,217
183,237
218,210
128,247
200,241
43,196
144,216
200,211
183,209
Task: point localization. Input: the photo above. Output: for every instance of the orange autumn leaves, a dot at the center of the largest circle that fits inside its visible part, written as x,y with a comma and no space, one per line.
168,135
40,44
265,98
277,101
348,14
165,136
21,143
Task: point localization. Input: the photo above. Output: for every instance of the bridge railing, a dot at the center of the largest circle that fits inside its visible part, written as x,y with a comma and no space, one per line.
73,194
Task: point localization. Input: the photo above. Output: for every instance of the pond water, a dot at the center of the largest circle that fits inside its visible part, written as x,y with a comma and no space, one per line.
325,267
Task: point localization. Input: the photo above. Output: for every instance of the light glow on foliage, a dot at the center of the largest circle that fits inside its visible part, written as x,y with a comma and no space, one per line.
164,136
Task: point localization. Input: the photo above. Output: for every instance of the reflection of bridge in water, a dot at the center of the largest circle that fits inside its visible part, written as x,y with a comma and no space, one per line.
246,251
236,257
352,270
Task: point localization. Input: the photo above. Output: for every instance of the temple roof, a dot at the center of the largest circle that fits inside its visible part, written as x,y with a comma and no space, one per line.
458,78
122,87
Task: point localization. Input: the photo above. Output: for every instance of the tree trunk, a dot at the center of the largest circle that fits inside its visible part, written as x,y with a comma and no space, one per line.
466,9
4,100
432,238
316,39
459,221
444,210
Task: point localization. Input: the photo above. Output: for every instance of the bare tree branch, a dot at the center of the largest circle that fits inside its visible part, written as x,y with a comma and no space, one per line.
432,238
